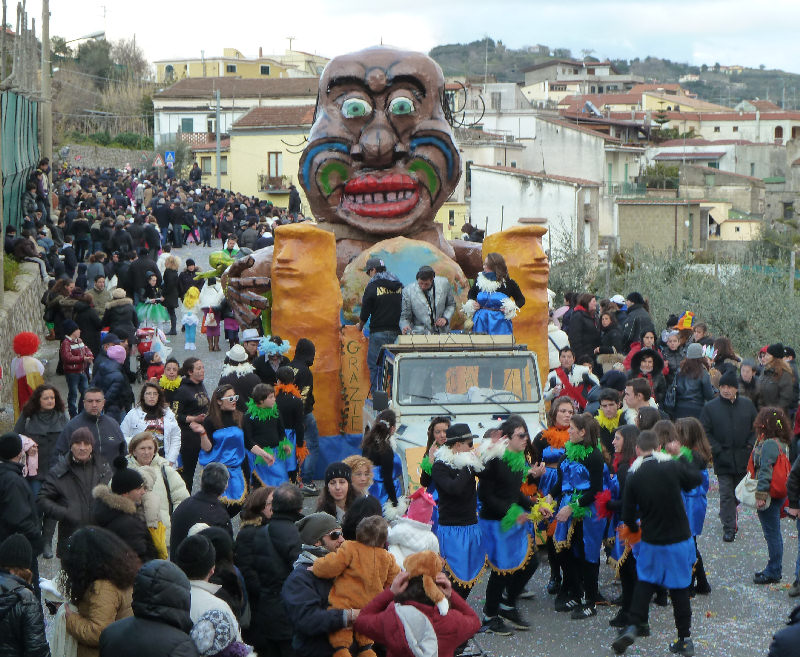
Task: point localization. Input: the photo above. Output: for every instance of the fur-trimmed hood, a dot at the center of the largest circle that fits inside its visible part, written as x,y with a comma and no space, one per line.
104,494
113,303
658,456
459,460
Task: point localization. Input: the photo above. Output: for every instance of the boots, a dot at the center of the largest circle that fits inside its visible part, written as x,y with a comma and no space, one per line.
701,584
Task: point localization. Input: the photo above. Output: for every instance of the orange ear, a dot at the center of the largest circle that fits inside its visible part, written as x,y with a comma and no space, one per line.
431,590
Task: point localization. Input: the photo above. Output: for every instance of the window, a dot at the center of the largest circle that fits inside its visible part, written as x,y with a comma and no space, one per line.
593,89
496,100
795,132
735,128
187,125
274,165
265,69
714,164
211,123
169,72
205,165
716,128
737,229
788,210
752,169
223,165
451,218
778,132
590,71
513,164
230,68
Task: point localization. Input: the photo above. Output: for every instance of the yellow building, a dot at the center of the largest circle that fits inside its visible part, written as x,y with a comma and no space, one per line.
206,156
656,101
452,215
232,64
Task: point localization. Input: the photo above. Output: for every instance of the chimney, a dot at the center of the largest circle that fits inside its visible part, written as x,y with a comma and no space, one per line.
260,55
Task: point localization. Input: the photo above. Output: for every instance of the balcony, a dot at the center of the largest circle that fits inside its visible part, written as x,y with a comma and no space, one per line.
631,189
273,184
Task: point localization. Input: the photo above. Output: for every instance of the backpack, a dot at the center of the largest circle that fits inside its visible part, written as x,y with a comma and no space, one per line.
780,475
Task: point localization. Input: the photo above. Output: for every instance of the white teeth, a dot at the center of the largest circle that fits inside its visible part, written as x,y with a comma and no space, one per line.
377,197
391,196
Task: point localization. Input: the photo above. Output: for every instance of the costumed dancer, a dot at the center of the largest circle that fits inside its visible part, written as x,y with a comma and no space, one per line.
453,473
666,549
495,299
272,352
189,318
548,447
265,438
378,446
437,435
413,532
170,380
150,309
579,532
290,405
503,516
210,300
697,450
610,417
28,371
222,441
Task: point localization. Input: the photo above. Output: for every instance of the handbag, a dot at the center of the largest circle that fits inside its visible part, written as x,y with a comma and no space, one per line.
746,491
62,643
671,398
166,487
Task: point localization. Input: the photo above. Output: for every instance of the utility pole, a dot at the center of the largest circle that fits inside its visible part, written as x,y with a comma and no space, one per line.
47,105
216,125
792,257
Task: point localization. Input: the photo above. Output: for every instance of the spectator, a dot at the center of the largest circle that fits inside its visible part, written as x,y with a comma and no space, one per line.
748,381
111,378
584,336
186,278
99,294
776,385
427,304
692,385
647,364
204,506
638,320
574,381
556,341
120,315
338,492
171,291
191,404
785,641
88,321
75,359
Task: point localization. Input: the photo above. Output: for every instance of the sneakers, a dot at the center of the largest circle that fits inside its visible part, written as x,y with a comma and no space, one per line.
584,611
310,489
729,535
567,604
763,578
553,585
794,591
620,620
527,593
495,625
514,618
683,647
624,639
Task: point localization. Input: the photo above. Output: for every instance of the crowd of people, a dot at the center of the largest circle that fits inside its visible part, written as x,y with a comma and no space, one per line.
105,480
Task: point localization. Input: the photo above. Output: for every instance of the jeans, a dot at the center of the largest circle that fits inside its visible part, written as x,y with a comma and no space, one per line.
770,520
35,485
377,339
81,248
164,234
205,235
177,235
727,500
309,470
77,384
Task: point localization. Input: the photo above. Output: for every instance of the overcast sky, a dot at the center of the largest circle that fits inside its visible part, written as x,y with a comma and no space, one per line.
696,31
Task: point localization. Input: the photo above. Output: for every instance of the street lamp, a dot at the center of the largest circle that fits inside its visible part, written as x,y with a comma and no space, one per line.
93,35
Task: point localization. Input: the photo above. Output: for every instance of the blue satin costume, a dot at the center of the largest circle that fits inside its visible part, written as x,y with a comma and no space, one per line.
575,478
228,449
696,502
490,318
277,473
377,489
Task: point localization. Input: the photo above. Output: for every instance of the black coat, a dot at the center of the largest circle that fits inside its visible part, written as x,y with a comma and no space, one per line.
186,280
171,289
200,507
85,316
151,237
20,514
265,371
292,416
120,316
785,642
160,623
776,388
499,489
21,620
636,324
118,514
611,340
458,496
583,334
138,272
729,428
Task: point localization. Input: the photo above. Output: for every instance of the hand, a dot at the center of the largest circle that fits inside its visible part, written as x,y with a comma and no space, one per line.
795,513
441,322
760,504
269,458
537,470
597,350
443,583
564,514
432,451
400,583
522,518
360,326
196,427
406,330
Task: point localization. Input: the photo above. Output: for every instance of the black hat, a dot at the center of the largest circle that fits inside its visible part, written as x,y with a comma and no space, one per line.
195,556
729,379
68,327
16,552
125,479
374,263
672,320
614,379
776,350
10,445
788,352
189,262
458,432
338,470
111,338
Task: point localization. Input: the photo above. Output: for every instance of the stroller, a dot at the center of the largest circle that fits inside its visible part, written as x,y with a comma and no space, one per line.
150,339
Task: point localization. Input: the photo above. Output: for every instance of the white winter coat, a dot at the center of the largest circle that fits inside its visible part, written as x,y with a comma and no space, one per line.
134,422
155,473
407,537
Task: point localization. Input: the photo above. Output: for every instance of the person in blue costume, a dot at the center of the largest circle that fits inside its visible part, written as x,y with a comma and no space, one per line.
222,441
579,531
666,549
494,299
697,449
378,446
437,436
503,519
453,473
268,449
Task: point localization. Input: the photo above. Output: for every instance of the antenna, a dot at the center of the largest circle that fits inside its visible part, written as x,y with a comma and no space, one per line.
290,39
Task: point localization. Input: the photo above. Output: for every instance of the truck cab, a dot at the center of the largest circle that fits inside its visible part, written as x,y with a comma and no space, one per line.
476,379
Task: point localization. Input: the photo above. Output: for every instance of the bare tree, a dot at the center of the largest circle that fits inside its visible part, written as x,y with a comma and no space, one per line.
126,54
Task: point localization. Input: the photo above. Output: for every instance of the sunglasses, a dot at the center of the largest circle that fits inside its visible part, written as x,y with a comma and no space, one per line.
335,535
232,398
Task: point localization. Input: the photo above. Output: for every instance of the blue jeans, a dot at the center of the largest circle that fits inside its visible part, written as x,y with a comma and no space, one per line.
311,438
164,234
377,340
205,235
797,565
77,384
770,519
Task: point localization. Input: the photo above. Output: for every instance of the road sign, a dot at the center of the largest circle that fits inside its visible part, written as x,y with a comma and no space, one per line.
169,156
158,162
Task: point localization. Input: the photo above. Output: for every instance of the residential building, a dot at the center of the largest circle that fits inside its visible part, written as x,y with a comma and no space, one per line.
551,81
660,224
745,193
206,157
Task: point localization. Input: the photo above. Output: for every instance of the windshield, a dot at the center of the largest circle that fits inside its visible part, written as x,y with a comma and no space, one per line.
505,380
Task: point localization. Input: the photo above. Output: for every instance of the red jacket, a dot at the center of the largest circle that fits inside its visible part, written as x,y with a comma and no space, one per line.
72,356
379,621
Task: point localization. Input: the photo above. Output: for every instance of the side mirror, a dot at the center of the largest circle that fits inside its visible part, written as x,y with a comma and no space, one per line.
380,401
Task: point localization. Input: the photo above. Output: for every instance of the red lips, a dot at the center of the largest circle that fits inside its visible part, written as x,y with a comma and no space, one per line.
388,196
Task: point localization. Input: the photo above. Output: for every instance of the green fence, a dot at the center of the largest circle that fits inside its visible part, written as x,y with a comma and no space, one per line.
20,134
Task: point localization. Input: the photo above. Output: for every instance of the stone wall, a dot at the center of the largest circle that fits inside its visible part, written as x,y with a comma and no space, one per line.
92,157
21,311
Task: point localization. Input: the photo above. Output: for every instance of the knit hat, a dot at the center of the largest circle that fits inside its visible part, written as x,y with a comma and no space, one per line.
614,379
16,552
195,556
458,432
118,293
729,379
81,435
125,479
420,507
147,356
788,352
190,262
221,540
776,350
338,470
428,564
316,525
117,353
237,353
10,445
111,338
213,632
373,263
69,327
694,350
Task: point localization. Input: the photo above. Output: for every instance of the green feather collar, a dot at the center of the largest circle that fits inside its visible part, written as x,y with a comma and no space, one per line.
577,451
262,414
516,461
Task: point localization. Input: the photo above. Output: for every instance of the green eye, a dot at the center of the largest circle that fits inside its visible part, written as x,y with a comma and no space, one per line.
354,108
401,106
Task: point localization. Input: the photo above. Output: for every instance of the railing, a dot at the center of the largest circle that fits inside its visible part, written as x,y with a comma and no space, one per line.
276,184
626,189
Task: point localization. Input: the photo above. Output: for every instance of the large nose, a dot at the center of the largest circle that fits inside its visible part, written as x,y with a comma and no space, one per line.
377,146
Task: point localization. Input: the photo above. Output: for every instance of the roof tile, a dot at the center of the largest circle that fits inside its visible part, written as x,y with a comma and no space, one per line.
272,116
241,88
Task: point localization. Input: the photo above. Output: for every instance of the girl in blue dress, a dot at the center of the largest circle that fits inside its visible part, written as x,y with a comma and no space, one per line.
696,448
378,446
495,299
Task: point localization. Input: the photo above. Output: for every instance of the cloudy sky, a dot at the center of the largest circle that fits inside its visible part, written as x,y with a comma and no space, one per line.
695,31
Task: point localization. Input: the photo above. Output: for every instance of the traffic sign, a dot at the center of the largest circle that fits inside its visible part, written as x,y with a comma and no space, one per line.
169,156
158,162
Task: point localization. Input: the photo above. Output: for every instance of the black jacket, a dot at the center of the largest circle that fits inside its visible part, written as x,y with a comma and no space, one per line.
85,316
186,280
292,416
160,623
138,272
108,438
384,460
122,241
611,340
458,495
244,554
265,371
729,427
382,302
776,388
785,642
151,237
118,514
303,377
200,507
120,316
21,620
171,289
498,489
636,324
263,433
19,514
583,333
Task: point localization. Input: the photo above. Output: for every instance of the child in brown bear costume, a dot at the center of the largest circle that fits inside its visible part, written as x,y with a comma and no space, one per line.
363,569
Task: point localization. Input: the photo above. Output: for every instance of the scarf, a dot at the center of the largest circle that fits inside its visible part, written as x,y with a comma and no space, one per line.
45,422
263,414
556,436
289,389
169,384
618,462
609,424
577,452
